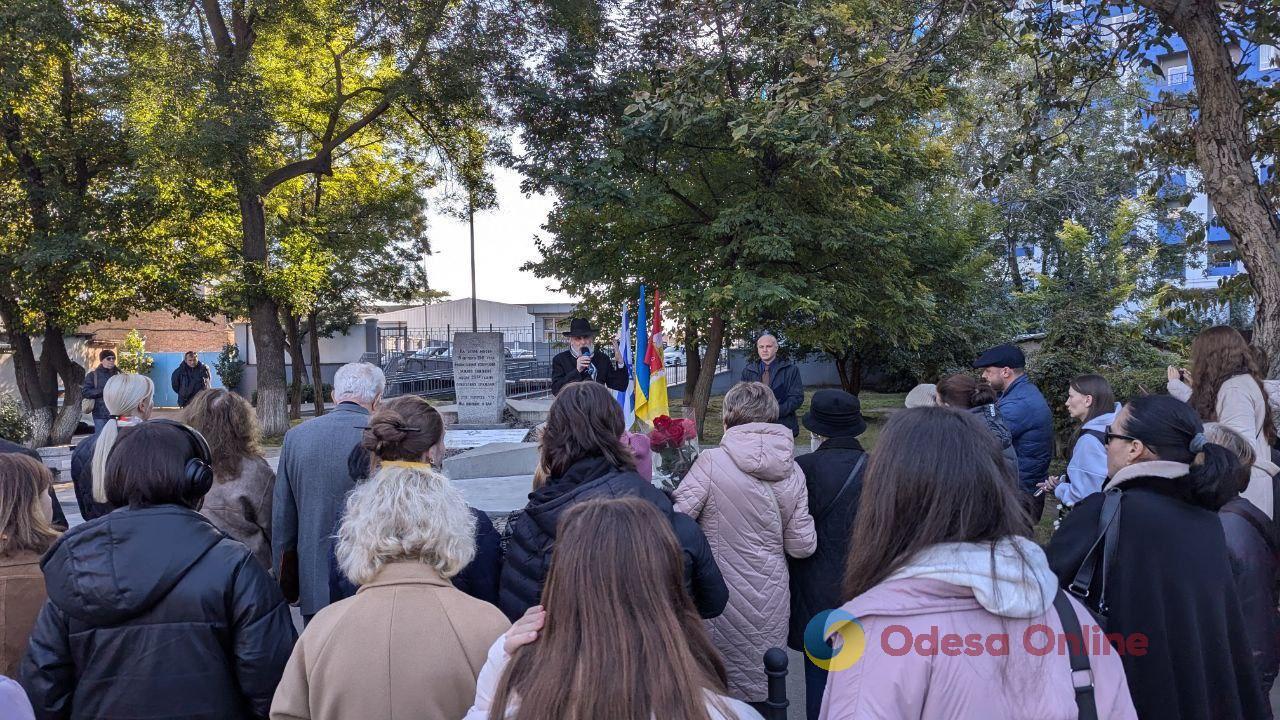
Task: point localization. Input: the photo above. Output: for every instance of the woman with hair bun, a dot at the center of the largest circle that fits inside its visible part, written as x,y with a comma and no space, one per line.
965,392
408,432
1166,577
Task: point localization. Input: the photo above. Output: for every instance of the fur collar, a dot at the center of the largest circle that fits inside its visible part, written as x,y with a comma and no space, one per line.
1153,468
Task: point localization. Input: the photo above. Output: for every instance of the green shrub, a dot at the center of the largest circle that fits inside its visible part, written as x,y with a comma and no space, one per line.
229,366
132,357
15,426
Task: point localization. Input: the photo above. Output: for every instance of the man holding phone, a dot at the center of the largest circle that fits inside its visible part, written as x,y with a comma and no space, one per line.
582,363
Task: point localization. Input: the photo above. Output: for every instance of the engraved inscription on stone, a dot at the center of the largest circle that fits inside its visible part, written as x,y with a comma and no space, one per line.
479,377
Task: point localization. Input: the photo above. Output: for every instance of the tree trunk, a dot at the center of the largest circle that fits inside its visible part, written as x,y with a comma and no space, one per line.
53,354
1224,154
38,380
268,336
297,365
317,377
1015,272
702,391
692,366
850,371
27,374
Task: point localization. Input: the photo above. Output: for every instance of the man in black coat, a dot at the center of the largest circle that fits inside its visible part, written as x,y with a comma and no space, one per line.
579,363
95,381
833,474
189,378
782,377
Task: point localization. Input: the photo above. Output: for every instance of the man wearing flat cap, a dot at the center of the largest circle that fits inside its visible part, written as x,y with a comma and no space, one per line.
582,363
1025,413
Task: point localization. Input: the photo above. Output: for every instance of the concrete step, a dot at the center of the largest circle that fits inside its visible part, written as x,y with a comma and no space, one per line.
495,460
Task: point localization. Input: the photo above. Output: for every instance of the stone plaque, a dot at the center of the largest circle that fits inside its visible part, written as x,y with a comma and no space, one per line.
479,377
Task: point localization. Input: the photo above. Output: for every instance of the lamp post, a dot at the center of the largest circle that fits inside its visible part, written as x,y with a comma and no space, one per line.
471,220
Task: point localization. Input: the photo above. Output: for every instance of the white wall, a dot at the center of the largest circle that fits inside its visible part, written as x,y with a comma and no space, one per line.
77,347
337,350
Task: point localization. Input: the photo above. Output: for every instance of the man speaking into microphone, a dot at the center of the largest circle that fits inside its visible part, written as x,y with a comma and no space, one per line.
582,363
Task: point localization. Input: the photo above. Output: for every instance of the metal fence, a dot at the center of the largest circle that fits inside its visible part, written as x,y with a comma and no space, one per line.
419,361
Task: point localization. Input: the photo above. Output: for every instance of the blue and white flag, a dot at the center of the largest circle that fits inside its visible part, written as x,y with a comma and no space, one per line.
626,398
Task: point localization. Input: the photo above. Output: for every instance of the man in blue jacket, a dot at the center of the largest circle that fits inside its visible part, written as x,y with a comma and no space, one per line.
782,377
1027,416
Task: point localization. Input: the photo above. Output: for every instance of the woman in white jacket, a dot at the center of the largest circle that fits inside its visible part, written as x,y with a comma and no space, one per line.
619,637
1091,402
1225,385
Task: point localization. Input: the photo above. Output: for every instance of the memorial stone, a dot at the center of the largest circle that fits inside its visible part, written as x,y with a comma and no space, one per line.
479,377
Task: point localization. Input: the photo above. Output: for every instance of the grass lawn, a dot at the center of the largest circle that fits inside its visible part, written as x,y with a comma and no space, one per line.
874,408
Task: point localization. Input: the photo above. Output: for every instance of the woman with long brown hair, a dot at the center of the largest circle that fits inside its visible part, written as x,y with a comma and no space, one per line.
583,457
1225,385
25,535
239,502
619,638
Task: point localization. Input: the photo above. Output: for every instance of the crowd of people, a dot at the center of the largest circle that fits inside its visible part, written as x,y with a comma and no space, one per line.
908,574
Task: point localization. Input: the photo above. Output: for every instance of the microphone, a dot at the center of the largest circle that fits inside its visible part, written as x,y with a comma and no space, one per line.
586,352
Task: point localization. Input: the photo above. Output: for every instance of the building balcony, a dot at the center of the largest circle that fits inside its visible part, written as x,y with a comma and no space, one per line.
1224,270
1217,233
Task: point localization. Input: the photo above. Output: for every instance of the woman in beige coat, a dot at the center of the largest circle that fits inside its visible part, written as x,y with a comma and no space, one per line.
1225,386
408,644
749,496
25,535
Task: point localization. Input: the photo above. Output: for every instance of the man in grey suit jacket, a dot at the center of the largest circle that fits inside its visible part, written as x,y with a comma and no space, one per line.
311,483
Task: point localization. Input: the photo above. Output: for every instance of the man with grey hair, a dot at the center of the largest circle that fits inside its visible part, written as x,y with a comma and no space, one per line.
782,377
312,481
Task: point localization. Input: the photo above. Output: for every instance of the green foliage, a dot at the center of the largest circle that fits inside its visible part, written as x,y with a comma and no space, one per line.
15,426
132,357
1092,325
229,366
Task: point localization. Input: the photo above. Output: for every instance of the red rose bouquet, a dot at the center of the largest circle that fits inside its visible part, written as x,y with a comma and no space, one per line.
674,442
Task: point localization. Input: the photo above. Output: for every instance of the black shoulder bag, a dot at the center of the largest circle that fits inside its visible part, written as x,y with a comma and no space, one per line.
857,468
1087,587
1081,673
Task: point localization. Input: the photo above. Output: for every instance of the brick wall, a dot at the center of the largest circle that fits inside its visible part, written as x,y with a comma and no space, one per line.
165,332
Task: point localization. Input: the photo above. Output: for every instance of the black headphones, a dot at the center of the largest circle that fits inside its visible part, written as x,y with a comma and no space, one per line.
197,475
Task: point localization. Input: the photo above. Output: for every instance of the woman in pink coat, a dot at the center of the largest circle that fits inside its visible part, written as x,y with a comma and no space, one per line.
958,614
749,496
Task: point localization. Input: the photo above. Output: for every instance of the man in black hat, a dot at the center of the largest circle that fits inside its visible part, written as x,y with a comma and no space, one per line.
95,381
581,363
1025,413
833,474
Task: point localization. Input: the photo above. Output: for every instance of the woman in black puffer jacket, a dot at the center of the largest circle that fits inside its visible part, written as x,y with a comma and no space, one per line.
152,611
965,392
584,459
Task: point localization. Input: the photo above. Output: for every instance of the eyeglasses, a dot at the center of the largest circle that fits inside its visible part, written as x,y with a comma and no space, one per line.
1108,436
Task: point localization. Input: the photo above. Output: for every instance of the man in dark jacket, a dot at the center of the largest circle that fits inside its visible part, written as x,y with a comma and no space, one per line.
189,378
1027,416
532,535
782,377
1254,550
59,517
579,363
833,474
95,381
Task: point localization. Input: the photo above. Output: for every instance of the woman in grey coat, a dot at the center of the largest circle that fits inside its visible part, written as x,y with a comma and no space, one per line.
239,503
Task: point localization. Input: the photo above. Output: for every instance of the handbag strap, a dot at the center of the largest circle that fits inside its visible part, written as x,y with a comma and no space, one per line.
1081,673
1082,586
1267,534
857,467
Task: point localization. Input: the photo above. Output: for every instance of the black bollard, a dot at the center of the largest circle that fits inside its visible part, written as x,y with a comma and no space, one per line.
775,667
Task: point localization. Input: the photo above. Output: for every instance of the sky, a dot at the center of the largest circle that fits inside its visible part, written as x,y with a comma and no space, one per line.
504,242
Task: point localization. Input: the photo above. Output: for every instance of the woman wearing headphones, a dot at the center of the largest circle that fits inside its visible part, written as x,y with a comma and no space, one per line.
153,612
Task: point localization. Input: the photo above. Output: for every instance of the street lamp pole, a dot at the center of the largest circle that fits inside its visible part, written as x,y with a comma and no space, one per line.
471,219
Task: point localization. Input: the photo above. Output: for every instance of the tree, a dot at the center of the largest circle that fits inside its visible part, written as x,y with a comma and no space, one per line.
732,153
287,90
1227,118
134,357
86,231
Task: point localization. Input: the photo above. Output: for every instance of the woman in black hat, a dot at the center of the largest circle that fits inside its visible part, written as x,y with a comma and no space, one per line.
581,362
833,474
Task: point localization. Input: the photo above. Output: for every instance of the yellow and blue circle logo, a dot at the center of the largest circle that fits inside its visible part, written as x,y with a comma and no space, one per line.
853,640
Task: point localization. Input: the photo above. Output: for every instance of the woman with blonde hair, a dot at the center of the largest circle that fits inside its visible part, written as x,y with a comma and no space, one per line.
409,644
25,535
750,498
128,398
243,483
1225,385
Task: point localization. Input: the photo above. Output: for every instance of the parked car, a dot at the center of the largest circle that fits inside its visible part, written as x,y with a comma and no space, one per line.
520,354
672,357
